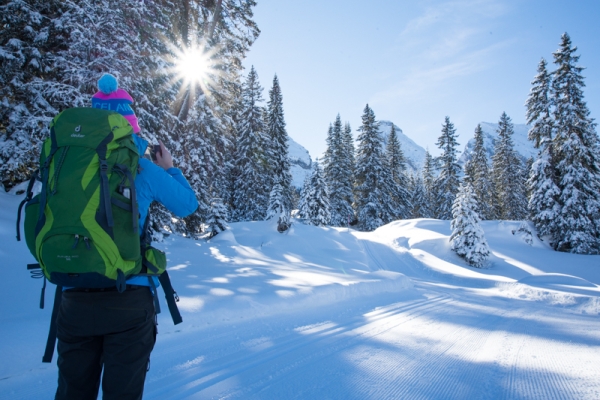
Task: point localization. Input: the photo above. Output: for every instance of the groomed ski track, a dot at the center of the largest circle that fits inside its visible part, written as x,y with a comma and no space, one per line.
329,313
434,341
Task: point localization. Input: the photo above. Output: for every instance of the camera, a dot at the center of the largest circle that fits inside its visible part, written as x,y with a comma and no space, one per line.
155,149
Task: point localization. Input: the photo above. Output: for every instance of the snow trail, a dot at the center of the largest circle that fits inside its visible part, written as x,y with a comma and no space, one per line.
327,313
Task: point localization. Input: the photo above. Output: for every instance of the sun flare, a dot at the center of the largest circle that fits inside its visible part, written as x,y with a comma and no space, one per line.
194,66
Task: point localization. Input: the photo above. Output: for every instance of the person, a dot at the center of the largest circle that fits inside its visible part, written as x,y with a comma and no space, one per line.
102,332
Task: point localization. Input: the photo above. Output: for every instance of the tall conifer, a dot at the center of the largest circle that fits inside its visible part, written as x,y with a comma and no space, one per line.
278,145
577,152
507,167
315,205
429,178
251,196
447,182
370,193
478,172
542,182
334,165
397,169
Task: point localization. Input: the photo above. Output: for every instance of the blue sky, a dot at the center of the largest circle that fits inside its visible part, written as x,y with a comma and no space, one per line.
415,62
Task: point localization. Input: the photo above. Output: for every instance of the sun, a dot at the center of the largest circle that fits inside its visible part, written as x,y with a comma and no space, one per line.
194,66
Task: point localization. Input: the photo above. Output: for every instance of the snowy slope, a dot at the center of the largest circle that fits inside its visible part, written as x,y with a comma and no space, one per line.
415,154
300,161
332,313
523,146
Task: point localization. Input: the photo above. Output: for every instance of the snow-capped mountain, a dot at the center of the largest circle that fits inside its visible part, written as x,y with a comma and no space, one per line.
415,154
523,146
300,161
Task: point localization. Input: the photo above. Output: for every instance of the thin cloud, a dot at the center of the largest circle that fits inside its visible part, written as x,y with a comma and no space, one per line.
422,83
446,29
447,41
453,12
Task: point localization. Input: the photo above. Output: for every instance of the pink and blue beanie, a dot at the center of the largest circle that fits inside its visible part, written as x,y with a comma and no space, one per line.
110,97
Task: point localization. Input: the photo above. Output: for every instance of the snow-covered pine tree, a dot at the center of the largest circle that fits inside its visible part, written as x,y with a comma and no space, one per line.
232,123
223,32
526,171
348,173
468,240
370,172
542,182
278,144
447,182
397,168
577,155
52,54
329,154
276,202
332,171
76,41
507,174
315,208
539,108
29,40
277,208
429,178
478,171
304,193
203,160
418,197
217,217
250,193
338,175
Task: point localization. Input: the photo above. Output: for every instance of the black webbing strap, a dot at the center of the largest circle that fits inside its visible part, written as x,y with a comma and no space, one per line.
165,281
154,294
148,265
25,200
171,297
146,238
134,205
43,295
121,204
105,208
51,342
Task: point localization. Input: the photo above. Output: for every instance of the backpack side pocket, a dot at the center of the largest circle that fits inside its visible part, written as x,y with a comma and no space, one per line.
32,210
155,261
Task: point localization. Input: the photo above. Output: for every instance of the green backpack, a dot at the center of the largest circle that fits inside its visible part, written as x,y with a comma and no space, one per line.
82,227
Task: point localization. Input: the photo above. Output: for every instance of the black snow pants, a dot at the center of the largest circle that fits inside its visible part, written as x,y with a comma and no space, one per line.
104,330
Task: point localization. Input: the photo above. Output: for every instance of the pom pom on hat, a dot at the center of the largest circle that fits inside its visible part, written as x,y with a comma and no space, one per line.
110,97
108,83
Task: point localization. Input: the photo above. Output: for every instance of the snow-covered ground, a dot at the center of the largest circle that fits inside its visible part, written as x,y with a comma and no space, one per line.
328,313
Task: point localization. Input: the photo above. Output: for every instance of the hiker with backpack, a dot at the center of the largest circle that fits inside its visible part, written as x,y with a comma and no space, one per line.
84,229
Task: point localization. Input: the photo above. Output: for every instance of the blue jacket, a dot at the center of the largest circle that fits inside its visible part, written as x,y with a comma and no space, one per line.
170,188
